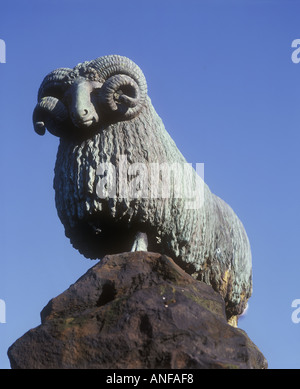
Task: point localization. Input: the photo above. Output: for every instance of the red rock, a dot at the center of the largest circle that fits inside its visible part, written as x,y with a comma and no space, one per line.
135,310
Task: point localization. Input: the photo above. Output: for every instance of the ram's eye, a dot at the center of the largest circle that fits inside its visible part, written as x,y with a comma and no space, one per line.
96,92
67,99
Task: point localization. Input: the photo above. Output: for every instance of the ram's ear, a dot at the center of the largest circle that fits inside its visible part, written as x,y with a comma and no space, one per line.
49,113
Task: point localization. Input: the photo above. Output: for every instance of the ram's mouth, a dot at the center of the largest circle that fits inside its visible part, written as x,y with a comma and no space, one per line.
86,123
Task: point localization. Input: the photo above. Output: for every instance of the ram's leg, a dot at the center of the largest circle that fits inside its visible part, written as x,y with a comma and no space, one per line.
140,242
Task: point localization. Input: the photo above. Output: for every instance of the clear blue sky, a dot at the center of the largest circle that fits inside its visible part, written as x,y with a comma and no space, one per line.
221,77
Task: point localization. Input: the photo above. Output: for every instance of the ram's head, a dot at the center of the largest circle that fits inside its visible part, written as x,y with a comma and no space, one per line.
76,101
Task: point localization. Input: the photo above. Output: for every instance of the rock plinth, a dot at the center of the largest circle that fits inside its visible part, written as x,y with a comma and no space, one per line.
135,310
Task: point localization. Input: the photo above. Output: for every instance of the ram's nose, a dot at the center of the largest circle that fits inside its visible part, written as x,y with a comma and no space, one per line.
83,112
80,114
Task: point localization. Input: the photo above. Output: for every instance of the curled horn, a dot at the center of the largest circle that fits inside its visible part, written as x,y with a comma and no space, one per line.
125,89
53,84
50,112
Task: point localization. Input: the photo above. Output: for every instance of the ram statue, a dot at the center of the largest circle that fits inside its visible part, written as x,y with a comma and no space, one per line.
116,188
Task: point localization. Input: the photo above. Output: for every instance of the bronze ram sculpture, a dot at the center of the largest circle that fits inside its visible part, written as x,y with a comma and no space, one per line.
102,114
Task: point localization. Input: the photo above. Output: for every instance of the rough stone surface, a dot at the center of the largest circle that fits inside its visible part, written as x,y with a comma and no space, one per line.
136,310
